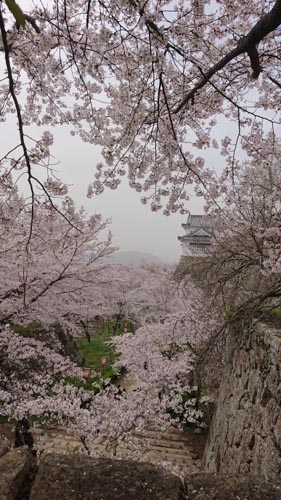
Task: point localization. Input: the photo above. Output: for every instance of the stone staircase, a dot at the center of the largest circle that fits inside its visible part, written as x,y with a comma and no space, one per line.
171,448
178,450
57,439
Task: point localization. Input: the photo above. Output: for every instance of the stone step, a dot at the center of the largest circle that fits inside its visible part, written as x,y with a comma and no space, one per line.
156,457
161,451
158,445
181,461
171,433
179,441
165,443
155,444
162,441
171,452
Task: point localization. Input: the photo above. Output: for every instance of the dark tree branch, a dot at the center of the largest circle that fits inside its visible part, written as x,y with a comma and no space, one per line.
275,81
255,61
32,21
86,330
268,23
19,116
23,145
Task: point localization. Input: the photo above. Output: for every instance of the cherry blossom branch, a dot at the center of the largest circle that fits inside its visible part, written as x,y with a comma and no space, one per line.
268,23
19,117
273,80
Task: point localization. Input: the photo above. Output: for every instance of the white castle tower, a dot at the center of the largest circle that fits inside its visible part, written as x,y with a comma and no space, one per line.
198,238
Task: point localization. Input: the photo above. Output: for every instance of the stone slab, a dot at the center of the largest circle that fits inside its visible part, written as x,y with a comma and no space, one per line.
62,477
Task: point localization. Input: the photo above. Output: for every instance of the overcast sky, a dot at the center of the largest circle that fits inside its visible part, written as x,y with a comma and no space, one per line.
134,225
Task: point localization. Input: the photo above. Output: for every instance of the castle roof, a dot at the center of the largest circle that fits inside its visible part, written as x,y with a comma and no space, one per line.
196,221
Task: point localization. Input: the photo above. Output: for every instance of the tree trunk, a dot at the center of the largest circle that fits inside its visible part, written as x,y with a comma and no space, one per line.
86,331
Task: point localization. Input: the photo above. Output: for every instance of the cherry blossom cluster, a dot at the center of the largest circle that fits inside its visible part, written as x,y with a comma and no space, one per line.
148,81
137,292
36,381
50,275
161,356
244,269
29,370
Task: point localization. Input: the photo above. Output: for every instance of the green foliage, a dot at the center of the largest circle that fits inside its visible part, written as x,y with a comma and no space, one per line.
25,330
113,328
4,419
99,347
276,312
93,352
34,421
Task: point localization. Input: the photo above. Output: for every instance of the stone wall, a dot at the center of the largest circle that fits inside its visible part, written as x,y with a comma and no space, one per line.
245,435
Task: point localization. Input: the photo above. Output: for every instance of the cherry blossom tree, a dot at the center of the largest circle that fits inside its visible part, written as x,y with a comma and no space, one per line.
161,356
54,275
136,292
243,272
50,275
145,80
37,381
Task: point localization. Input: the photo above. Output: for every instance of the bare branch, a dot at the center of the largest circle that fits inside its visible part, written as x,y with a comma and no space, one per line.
275,81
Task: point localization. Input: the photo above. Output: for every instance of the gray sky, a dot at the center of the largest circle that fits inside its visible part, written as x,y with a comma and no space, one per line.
134,226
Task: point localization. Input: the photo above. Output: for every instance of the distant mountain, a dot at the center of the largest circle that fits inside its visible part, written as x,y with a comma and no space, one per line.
132,257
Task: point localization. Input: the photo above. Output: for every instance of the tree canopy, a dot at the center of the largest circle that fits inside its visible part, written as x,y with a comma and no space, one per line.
147,80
